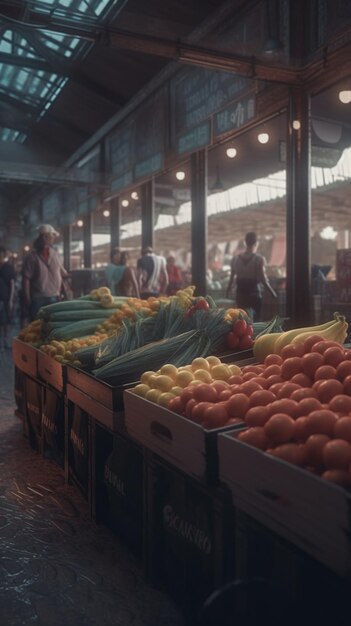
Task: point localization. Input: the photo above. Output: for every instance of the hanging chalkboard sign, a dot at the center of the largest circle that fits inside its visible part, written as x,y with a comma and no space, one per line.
122,181
148,167
195,139
235,115
121,151
199,93
151,135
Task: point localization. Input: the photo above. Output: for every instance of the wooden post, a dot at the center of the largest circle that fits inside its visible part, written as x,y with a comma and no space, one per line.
115,222
147,214
199,220
67,236
87,239
298,223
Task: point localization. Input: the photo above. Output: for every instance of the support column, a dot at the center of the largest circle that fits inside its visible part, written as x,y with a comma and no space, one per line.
87,240
199,220
147,214
298,223
115,222
67,236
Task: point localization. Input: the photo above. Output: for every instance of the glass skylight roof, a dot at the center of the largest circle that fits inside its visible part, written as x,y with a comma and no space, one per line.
28,54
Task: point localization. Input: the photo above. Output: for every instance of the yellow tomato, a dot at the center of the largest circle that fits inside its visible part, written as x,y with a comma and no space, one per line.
141,390
221,372
169,370
146,376
200,364
153,395
165,398
152,380
165,383
213,360
203,375
234,369
184,378
176,390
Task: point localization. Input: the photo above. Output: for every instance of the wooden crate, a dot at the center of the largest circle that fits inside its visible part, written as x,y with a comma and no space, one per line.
175,438
113,420
25,357
109,396
306,510
118,486
186,534
51,371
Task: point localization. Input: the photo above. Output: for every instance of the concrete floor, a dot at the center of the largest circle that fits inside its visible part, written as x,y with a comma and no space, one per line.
57,568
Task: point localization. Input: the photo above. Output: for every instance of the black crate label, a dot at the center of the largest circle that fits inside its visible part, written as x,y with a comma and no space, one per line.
79,431
33,404
114,481
49,423
123,481
53,420
186,530
123,473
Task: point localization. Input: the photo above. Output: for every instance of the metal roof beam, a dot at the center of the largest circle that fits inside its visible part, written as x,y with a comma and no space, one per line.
53,63
28,173
19,108
184,52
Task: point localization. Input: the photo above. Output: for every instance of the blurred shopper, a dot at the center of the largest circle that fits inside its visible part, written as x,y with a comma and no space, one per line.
114,270
152,274
42,272
175,278
7,294
120,278
249,268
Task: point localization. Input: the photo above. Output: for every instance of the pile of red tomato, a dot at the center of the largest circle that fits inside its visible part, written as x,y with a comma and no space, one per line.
241,335
297,406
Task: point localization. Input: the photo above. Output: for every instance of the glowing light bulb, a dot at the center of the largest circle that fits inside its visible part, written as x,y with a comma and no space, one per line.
125,203
27,248
106,213
80,223
263,137
296,124
231,152
345,96
134,195
180,175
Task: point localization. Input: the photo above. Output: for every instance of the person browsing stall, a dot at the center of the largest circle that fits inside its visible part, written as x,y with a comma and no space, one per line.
120,277
42,272
152,274
249,269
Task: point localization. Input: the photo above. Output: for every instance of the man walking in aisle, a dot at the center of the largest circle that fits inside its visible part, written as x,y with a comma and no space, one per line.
152,274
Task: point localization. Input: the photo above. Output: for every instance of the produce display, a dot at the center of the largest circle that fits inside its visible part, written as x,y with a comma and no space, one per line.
335,329
295,405
95,330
